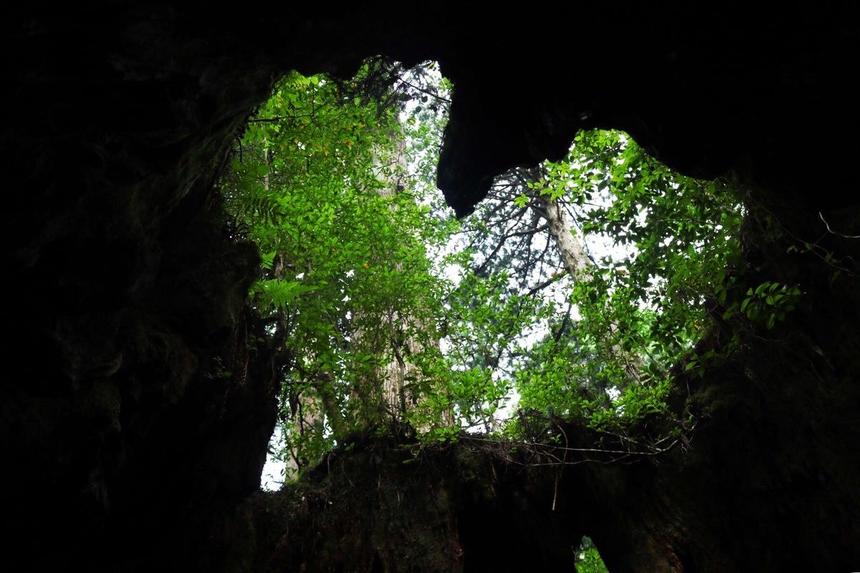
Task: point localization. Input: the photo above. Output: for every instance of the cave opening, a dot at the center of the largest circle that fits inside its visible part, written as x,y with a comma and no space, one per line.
572,299
141,385
571,292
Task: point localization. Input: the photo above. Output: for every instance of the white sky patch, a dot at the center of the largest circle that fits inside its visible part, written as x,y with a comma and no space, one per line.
273,471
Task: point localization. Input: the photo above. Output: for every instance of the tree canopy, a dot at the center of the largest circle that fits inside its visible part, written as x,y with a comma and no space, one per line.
345,281
573,291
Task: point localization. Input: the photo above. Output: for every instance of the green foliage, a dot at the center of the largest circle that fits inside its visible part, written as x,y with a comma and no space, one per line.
633,315
346,285
588,559
369,283
767,304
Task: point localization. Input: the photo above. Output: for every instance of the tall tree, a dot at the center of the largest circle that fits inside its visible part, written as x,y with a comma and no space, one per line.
624,317
346,286
335,186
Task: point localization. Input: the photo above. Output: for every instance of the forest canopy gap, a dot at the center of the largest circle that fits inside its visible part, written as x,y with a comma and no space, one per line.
573,292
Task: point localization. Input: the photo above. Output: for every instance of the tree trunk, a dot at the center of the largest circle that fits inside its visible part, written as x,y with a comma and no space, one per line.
571,247
398,394
574,256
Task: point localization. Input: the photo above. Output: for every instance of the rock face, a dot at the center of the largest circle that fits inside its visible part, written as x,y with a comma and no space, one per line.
138,393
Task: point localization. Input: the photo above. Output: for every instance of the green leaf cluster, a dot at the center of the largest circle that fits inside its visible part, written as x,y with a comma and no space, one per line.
641,312
317,183
357,252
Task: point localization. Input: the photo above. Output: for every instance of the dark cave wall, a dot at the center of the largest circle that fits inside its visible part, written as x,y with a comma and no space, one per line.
138,393
136,401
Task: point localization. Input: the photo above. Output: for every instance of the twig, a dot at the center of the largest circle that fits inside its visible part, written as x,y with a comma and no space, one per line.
832,232
424,91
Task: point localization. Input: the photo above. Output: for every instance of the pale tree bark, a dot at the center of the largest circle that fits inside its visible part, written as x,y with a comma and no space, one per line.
571,247
400,377
577,263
